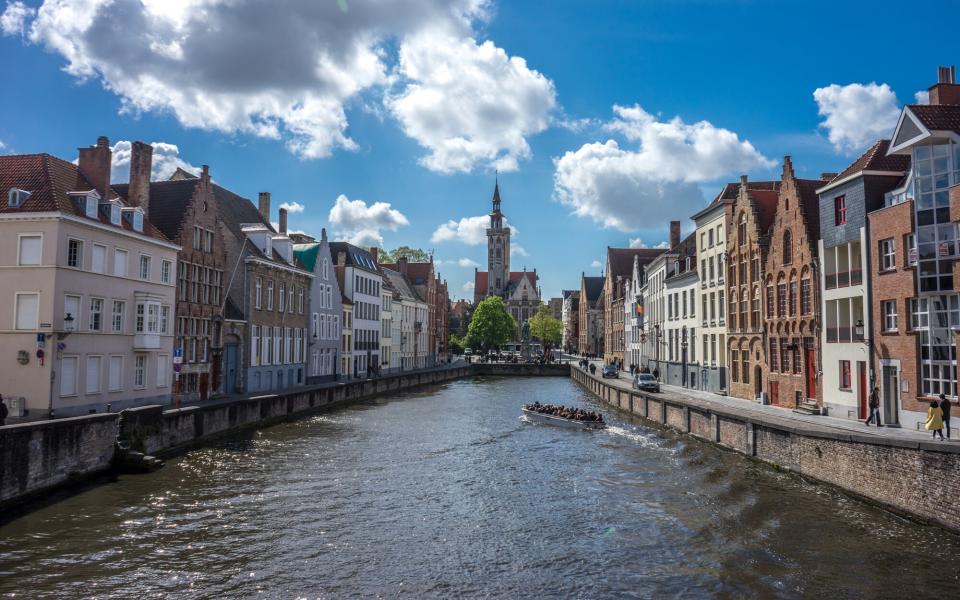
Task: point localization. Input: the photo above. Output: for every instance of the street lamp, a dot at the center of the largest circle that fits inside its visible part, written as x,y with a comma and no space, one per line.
683,353
858,328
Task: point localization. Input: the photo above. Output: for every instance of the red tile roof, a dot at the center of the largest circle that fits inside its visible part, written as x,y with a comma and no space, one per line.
876,159
765,202
940,117
480,280
50,180
620,260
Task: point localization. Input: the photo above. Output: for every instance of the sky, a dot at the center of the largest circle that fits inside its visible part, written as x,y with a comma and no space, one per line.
388,121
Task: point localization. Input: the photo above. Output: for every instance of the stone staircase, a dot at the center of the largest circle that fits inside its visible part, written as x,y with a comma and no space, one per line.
128,460
807,407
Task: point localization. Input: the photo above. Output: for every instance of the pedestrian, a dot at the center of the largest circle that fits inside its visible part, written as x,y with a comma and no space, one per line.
874,407
3,412
656,373
935,419
945,409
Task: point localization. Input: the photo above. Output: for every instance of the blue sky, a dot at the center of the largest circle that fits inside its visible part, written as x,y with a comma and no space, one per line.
415,103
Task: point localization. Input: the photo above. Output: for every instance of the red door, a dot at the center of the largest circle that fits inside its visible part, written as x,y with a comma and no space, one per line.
811,366
862,393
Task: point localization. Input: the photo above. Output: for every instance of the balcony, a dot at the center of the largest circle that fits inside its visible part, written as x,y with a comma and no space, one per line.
146,341
842,335
843,279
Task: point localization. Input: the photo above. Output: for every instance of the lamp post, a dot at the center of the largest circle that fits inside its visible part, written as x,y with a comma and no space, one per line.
683,353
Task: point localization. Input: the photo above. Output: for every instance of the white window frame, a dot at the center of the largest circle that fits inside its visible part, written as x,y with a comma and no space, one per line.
254,345
117,252
888,310
93,258
258,293
86,387
110,386
79,264
20,238
163,367
16,311
166,268
139,371
888,255
76,375
114,314
145,259
269,294
91,313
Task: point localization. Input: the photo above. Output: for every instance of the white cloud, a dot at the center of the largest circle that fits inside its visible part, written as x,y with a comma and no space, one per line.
468,286
517,249
279,69
14,18
467,262
361,224
293,207
468,103
468,230
638,189
922,97
639,243
166,160
596,264
856,115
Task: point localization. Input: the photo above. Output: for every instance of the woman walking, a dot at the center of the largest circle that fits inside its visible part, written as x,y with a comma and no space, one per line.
935,419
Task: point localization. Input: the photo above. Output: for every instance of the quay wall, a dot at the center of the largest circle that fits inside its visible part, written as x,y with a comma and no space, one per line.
521,369
39,457
920,479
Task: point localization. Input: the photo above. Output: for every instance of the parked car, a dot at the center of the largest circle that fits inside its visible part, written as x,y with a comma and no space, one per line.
468,351
646,382
610,372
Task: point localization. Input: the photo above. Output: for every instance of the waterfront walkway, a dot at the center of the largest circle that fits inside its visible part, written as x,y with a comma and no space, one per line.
783,415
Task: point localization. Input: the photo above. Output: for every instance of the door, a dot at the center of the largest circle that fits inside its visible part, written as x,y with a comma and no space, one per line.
862,389
204,383
811,366
230,362
891,396
775,393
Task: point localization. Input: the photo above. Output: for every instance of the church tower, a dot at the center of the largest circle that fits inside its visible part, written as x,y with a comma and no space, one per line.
498,249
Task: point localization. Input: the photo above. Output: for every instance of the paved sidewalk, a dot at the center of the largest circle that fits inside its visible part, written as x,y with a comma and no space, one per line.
835,424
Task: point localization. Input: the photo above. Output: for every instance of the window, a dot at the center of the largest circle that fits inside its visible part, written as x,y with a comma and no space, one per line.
28,311
793,298
166,267
148,317
31,248
68,375
270,295
796,356
787,247
283,294
734,365
840,210
120,262
806,302
164,320
744,305
116,316
755,310
98,259
93,374
257,292
95,323
75,254
745,365
769,301
889,308
315,325
845,375
255,346
781,299
888,255
144,267
326,269
163,362
208,241
115,375
919,318
16,197
197,233
300,301
140,371
742,231
774,355
711,237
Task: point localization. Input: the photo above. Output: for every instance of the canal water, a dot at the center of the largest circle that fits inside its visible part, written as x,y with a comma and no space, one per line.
445,493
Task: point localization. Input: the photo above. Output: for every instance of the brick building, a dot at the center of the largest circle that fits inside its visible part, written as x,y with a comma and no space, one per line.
185,210
424,280
752,213
570,317
791,323
591,315
619,269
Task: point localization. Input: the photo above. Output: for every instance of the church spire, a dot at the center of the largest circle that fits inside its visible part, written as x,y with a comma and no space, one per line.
496,194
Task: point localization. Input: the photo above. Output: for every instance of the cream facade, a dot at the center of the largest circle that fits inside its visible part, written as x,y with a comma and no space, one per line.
711,236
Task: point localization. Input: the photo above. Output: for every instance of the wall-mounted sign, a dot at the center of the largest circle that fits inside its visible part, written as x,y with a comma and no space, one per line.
45,325
23,357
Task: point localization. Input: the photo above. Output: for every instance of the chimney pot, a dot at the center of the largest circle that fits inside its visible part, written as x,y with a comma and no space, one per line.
264,206
283,221
141,164
946,90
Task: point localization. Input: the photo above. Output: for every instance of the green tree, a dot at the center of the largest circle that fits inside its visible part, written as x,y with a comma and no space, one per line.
456,344
545,327
411,254
491,325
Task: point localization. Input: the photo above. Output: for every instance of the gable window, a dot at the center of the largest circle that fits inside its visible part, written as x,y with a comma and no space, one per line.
787,247
31,247
888,255
138,221
326,269
806,304
91,206
75,254
742,231
840,210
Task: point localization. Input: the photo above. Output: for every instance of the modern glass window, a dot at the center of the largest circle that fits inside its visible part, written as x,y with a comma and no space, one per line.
840,210
120,258
30,250
75,254
98,259
27,310
888,255
889,308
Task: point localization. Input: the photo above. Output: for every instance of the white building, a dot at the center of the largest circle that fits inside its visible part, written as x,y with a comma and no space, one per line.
680,326
711,235
362,285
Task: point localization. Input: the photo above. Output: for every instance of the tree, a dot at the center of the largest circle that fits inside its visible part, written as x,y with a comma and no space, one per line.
411,254
456,344
545,327
491,325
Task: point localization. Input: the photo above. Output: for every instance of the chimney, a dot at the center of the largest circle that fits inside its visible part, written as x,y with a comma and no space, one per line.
341,259
402,265
375,253
264,206
94,164
283,221
787,166
141,163
946,90
674,234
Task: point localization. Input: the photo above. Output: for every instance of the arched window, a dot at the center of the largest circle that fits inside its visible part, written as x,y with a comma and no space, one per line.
787,247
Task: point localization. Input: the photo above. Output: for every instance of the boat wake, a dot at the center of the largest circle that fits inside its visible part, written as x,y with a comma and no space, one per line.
643,438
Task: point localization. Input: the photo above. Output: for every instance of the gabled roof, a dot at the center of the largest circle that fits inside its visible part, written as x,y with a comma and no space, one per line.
937,117
169,201
810,201
875,159
481,279
593,287
355,256
50,180
620,260
399,283
765,203
686,249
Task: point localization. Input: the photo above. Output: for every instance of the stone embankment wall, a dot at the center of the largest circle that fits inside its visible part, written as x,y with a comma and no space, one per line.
36,458
917,478
521,369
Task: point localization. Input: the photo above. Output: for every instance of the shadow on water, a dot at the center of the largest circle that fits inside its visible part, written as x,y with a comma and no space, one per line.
445,492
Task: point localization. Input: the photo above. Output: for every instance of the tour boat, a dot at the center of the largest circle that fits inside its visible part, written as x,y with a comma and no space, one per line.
536,417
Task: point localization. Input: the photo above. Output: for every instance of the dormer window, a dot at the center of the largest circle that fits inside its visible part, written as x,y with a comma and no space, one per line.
134,216
138,221
91,206
16,197
115,213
